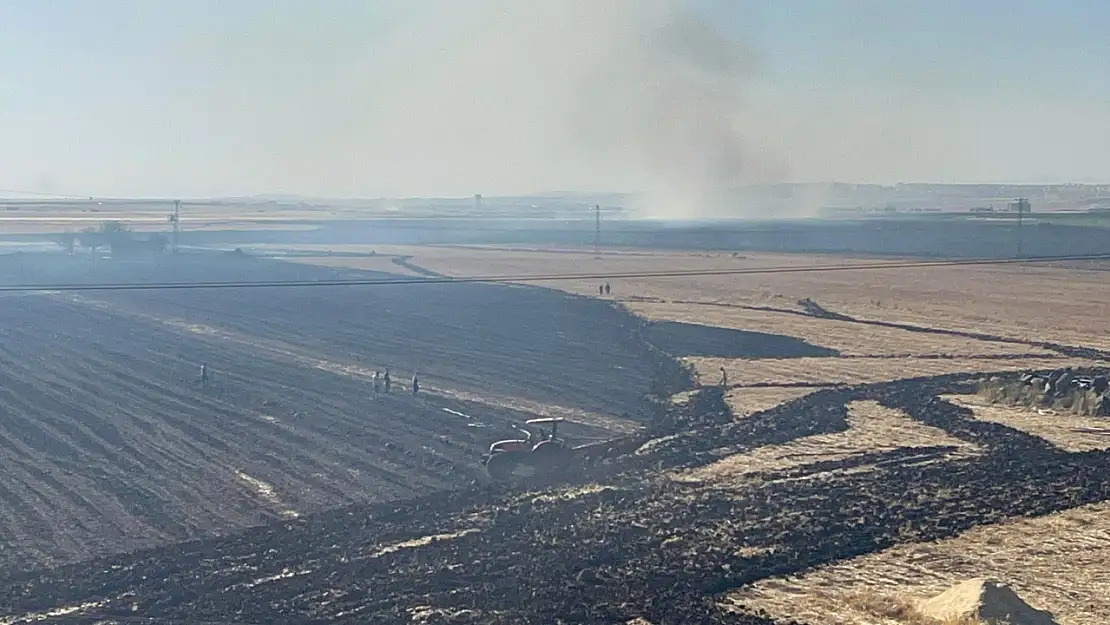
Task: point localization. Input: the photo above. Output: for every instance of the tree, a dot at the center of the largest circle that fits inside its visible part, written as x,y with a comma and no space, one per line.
113,227
68,240
157,243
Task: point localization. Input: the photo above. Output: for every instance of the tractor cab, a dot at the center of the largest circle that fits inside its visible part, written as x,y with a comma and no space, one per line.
552,421
516,444
531,439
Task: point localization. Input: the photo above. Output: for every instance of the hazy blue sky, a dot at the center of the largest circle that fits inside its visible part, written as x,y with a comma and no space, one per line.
355,97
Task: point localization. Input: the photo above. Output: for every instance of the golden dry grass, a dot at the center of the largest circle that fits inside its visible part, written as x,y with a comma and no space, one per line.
851,339
856,371
1064,429
872,427
1027,302
745,401
900,610
1059,563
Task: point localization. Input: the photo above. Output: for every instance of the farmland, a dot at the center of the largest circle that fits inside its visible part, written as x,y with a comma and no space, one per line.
848,441
110,443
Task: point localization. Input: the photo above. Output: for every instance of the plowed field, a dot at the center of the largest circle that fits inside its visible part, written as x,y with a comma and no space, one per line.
108,442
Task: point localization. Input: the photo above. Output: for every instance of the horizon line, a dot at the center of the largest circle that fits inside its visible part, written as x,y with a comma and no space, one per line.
43,196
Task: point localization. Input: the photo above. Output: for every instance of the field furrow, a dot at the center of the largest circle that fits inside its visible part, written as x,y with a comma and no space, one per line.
110,442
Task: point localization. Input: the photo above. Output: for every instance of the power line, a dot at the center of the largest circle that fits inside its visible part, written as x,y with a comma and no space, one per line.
46,194
559,277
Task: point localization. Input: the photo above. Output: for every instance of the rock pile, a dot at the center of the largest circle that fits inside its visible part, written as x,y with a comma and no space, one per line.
1064,385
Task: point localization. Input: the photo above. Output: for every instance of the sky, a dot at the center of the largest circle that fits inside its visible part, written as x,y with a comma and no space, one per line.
679,98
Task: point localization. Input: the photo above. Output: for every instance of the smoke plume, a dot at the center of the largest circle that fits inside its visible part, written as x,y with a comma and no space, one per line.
636,95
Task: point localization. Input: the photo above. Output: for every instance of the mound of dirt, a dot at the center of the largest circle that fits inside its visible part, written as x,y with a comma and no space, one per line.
990,601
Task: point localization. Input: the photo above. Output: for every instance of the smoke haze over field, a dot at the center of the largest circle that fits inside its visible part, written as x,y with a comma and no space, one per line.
626,94
680,99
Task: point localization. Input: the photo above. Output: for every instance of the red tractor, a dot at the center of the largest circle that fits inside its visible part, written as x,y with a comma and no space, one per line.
541,454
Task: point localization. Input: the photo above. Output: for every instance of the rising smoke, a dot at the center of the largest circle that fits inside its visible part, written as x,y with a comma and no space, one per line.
430,97
639,95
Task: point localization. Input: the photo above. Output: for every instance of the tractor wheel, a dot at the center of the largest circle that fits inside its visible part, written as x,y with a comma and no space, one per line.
550,457
500,466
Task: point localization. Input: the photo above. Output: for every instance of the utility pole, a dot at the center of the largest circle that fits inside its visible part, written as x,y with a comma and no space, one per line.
1022,208
175,219
597,229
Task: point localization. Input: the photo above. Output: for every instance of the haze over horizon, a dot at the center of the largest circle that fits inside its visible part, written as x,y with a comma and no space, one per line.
677,98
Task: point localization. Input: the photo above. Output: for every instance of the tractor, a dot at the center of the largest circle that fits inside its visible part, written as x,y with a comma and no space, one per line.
540,455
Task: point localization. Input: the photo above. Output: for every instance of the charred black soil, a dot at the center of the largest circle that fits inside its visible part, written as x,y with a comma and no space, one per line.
691,339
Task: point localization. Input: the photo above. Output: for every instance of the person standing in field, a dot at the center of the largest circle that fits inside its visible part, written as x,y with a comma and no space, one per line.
724,378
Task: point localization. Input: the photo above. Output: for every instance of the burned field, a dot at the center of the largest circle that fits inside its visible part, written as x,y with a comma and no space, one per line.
691,339
638,546
108,442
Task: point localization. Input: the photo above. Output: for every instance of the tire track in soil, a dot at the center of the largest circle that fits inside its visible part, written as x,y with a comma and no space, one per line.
245,429
116,447
43,440
134,390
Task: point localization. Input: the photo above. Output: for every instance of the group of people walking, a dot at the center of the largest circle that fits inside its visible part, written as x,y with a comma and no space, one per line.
380,380
386,380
